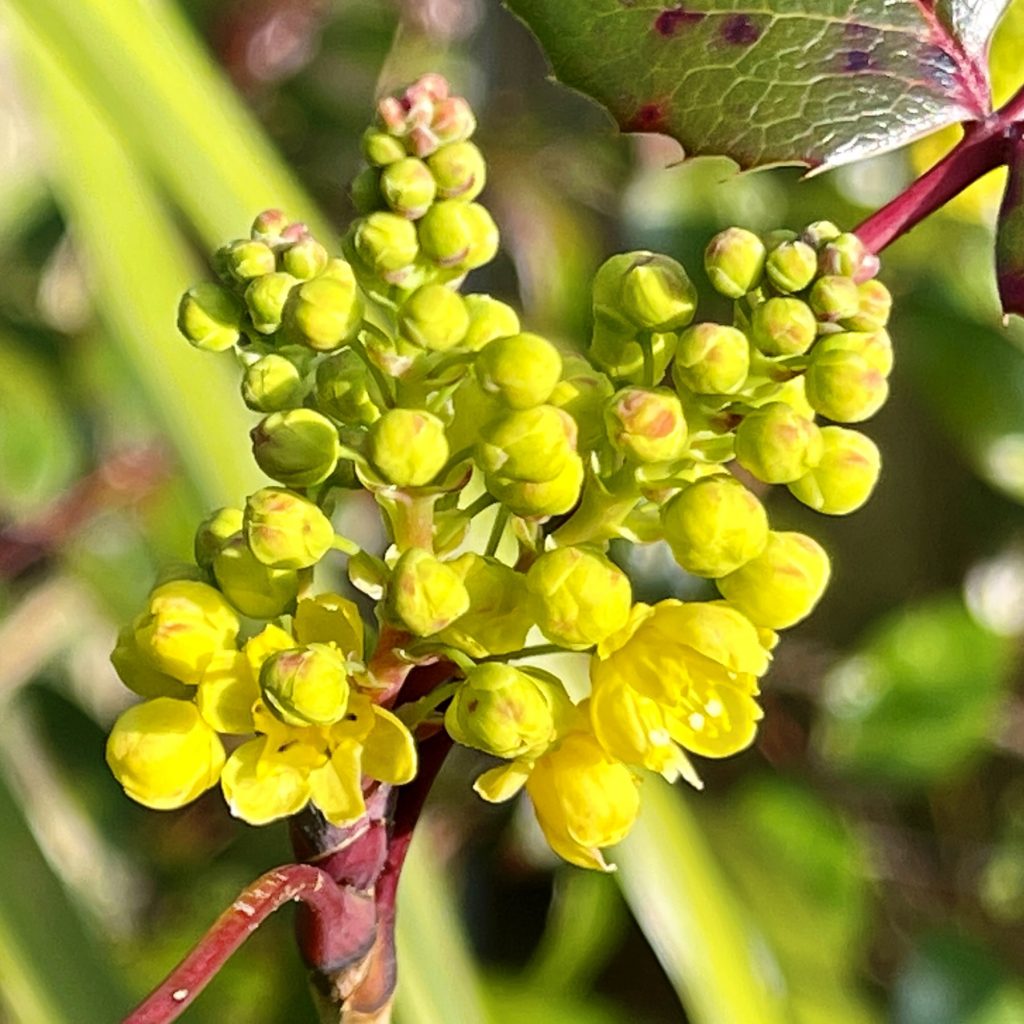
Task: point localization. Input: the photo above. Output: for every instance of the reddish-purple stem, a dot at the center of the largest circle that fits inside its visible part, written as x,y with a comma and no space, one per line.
252,907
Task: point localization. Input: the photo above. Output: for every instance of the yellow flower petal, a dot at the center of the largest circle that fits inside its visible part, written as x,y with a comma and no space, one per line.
330,618
265,643
227,693
389,752
497,785
259,790
337,786
715,721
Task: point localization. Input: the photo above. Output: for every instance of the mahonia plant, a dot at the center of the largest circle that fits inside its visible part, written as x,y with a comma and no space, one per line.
502,466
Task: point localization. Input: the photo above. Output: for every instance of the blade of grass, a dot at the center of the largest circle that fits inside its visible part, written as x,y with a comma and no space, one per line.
721,968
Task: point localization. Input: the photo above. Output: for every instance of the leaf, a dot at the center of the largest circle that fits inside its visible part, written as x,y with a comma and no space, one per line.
718,963
785,81
918,698
1010,236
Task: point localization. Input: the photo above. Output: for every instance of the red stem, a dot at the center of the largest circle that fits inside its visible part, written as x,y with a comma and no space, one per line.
253,906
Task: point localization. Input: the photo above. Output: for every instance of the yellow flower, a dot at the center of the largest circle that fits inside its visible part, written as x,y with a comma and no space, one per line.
330,619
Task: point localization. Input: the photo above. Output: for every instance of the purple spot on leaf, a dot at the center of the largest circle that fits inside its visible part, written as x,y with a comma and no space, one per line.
739,30
939,66
651,117
675,19
858,60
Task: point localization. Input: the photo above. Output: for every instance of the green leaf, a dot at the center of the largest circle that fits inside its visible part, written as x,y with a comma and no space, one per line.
1010,236
785,81
717,961
918,698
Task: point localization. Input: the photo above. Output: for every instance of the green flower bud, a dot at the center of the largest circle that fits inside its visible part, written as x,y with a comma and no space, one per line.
528,444
781,585
711,359
304,259
820,232
458,235
285,530
581,597
843,386
214,531
619,351
253,588
434,317
714,526
386,242
875,347
247,259
488,319
778,236
835,298
382,148
646,424
345,390
408,447
272,383
521,370
776,444
792,266
583,393
306,685
646,289
734,261
269,227
504,712
210,317
296,447
426,594
459,171
365,191
138,672
843,255
265,299
408,187
534,500
875,306
844,477
324,313
783,327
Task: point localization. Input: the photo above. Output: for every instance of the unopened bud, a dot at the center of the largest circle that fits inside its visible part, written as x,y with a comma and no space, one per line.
648,290
529,444
783,327
285,530
458,235
265,299
382,148
306,685
304,259
843,386
776,444
345,390
324,313
792,266
459,171
272,383
296,447
521,370
434,317
547,498
269,227
386,242
835,298
711,359
875,306
875,347
408,187
734,261
819,233
843,255
646,424
247,259
844,477
210,317
212,533
253,588
408,447
488,319
425,593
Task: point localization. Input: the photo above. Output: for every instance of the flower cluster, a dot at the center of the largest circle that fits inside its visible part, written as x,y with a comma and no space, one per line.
502,465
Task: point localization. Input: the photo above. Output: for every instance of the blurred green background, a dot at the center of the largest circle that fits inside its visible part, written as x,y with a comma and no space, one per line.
863,863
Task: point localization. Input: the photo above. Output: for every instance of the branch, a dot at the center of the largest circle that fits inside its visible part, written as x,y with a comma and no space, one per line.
328,903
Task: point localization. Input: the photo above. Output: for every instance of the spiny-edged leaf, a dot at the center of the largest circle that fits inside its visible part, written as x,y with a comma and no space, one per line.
815,82
1010,237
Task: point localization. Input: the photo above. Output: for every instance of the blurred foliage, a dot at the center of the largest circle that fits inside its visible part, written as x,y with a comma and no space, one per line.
864,863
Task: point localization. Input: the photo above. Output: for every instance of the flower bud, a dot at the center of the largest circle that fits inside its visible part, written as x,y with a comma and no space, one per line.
783,327
296,447
781,585
547,498
521,370
734,261
620,352
272,383
269,227
210,317
459,171
835,298
874,347
365,191
843,255
792,266
583,393
458,235
138,672
324,313
247,259
714,526
648,290
306,685
844,477
345,390
504,711
408,187
426,594
776,444
265,299
646,424
304,259
843,386
711,359
211,534
184,625
285,530
488,319
453,120
434,317
819,233
529,444
875,306
382,148
581,597
386,242
253,588
408,447
163,753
